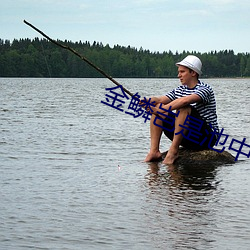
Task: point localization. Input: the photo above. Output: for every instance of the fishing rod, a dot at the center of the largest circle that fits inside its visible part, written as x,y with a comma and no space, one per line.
81,56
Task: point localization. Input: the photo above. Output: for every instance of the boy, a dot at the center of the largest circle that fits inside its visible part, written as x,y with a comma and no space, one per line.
193,100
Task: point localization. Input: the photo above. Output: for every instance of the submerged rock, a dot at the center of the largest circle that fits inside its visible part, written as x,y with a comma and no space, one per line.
203,157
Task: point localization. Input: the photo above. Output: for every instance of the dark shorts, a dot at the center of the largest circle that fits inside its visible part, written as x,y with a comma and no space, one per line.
192,139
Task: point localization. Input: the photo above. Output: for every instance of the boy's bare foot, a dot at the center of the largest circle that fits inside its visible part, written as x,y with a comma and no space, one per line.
153,156
171,157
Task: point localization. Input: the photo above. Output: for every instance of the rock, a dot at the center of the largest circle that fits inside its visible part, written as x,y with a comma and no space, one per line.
203,157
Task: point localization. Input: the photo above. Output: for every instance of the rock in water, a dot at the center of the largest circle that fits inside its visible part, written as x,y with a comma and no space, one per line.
203,157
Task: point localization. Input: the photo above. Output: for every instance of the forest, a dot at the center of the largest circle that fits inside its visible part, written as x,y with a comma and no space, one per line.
41,58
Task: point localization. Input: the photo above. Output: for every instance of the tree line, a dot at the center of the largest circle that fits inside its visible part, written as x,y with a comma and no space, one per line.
41,58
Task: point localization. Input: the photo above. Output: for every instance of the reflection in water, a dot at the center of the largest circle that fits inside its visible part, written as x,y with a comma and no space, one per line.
183,176
183,196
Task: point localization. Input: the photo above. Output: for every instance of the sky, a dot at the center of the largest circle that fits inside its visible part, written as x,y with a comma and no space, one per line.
155,25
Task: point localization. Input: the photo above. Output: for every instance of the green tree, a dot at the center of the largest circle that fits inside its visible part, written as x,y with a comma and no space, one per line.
41,58
247,69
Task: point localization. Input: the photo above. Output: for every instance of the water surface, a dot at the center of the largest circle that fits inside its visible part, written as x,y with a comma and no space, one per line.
72,175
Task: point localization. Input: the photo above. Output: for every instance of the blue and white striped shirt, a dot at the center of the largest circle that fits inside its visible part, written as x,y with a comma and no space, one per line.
206,108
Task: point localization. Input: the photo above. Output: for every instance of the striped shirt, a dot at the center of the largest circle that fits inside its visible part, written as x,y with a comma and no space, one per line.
206,108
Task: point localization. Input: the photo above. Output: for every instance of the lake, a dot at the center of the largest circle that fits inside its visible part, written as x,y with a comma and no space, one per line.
72,173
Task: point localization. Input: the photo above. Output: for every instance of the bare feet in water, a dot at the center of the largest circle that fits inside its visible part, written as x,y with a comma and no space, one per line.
171,156
153,156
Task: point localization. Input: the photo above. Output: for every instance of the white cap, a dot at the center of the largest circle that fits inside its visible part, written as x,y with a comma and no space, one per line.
191,62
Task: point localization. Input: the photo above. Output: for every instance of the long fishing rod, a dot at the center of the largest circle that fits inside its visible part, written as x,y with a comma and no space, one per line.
77,54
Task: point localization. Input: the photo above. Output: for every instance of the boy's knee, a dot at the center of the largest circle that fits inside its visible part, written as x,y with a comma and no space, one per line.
185,109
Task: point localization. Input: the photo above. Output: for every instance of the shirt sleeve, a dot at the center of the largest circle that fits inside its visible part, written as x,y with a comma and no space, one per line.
171,95
204,93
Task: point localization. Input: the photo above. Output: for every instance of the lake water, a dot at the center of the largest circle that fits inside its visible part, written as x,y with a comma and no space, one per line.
72,174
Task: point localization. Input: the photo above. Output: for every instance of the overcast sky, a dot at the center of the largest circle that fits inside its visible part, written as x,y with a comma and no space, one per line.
156,25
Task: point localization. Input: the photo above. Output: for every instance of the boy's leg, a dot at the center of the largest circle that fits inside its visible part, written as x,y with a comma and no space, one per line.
177,140
155,137
173,151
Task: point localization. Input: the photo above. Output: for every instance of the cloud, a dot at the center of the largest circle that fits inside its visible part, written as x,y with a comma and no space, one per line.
221,2
83,6
152,24
225,5
149,2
